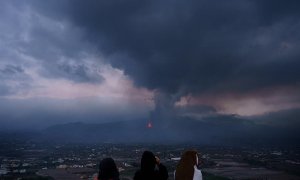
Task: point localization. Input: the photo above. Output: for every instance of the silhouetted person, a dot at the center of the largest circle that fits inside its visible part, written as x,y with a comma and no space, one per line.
108,170
148,171
187,167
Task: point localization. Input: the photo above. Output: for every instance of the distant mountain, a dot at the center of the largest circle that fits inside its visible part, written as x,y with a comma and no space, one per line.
106,132
215,130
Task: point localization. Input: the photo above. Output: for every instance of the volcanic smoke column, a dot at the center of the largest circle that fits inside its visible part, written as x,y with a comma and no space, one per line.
164,111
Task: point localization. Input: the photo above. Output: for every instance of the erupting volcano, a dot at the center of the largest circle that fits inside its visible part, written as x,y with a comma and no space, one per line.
149,125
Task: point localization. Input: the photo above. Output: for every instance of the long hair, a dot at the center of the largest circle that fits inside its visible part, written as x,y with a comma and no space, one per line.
148,162
108,170
185,167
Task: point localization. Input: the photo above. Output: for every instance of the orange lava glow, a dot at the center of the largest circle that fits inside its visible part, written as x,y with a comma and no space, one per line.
149,125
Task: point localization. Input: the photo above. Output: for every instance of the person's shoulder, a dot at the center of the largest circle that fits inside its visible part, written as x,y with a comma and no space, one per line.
197,174
138,172
137,175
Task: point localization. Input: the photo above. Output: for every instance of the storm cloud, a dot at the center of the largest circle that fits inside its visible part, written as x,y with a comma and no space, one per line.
193,45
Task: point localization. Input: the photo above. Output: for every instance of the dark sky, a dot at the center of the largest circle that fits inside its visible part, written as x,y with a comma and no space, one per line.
98,61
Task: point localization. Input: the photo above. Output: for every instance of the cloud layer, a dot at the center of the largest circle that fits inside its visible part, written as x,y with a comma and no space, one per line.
193,45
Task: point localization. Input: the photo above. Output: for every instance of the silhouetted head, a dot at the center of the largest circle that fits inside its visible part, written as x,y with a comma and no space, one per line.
185,167
148,162
108,170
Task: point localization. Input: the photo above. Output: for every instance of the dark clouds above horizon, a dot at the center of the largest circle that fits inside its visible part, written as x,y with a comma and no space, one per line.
237,57
198,45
